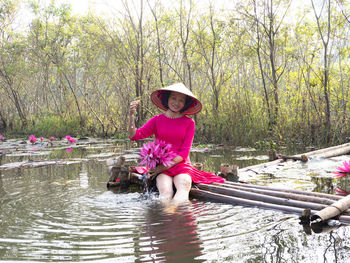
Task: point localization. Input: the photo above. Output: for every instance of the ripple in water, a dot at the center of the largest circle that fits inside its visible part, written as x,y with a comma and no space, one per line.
65,214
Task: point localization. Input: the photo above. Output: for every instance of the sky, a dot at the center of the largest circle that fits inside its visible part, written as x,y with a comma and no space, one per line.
99,6
109,8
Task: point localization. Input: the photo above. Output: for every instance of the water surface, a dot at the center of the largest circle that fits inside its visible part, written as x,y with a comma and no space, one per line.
64,213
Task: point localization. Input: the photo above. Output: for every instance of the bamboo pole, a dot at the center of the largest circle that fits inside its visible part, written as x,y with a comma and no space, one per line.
329,152
321,195
333,210
263,194
320,198
261,197
282,194
322,153
292,201
227,194
197,193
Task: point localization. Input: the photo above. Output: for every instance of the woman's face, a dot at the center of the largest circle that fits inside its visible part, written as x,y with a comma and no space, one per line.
176,101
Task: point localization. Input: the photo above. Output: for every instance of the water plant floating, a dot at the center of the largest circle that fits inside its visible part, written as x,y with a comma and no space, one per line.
302,158
156,153
342,171
70,139
32,139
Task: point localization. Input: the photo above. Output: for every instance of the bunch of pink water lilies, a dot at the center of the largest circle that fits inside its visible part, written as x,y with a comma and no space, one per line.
32,139
155,153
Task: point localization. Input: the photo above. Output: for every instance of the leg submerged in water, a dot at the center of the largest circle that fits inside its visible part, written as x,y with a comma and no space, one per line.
183,184
165,187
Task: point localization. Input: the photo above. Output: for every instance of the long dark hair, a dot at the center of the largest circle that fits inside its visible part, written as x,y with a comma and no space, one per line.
165,98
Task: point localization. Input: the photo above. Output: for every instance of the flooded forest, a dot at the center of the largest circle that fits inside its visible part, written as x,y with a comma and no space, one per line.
266,71
271,75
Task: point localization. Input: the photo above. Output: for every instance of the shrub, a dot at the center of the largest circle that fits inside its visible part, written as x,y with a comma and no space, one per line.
55,126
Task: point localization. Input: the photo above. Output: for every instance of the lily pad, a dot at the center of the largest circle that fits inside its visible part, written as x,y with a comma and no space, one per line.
243,149
101,155
313,174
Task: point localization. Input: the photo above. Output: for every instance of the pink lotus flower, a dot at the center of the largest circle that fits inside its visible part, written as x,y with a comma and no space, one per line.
342,171
69,150
156,153
52,138
32,139
339,191
2,137
70,139
42,138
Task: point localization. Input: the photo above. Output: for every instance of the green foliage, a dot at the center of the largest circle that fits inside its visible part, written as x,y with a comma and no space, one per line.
91,67
55,126
120,136
265,145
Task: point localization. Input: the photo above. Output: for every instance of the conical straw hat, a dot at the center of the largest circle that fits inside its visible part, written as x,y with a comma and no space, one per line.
195,107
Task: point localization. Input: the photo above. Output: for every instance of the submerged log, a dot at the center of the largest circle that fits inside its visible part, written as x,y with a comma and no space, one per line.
229,172
272,155
119,172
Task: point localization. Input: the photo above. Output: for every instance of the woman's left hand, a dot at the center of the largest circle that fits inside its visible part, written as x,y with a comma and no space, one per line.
157,170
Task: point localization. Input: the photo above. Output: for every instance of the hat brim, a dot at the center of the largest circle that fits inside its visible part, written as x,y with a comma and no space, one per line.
194,108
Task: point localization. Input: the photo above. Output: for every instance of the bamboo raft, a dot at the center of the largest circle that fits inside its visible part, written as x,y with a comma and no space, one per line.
314,208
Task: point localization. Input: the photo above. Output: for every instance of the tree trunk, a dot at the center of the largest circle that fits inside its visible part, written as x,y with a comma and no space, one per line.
325,41
81,120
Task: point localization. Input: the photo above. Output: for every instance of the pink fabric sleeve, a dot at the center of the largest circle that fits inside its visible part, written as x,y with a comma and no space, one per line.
187,143
145,131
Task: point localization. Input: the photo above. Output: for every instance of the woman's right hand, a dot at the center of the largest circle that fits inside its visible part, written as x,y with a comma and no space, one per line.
133,106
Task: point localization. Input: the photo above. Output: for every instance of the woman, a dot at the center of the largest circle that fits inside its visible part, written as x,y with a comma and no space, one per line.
176,129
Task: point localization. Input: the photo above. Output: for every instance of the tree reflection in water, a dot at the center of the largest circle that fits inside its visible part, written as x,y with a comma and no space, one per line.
168,237
323,185
286,245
